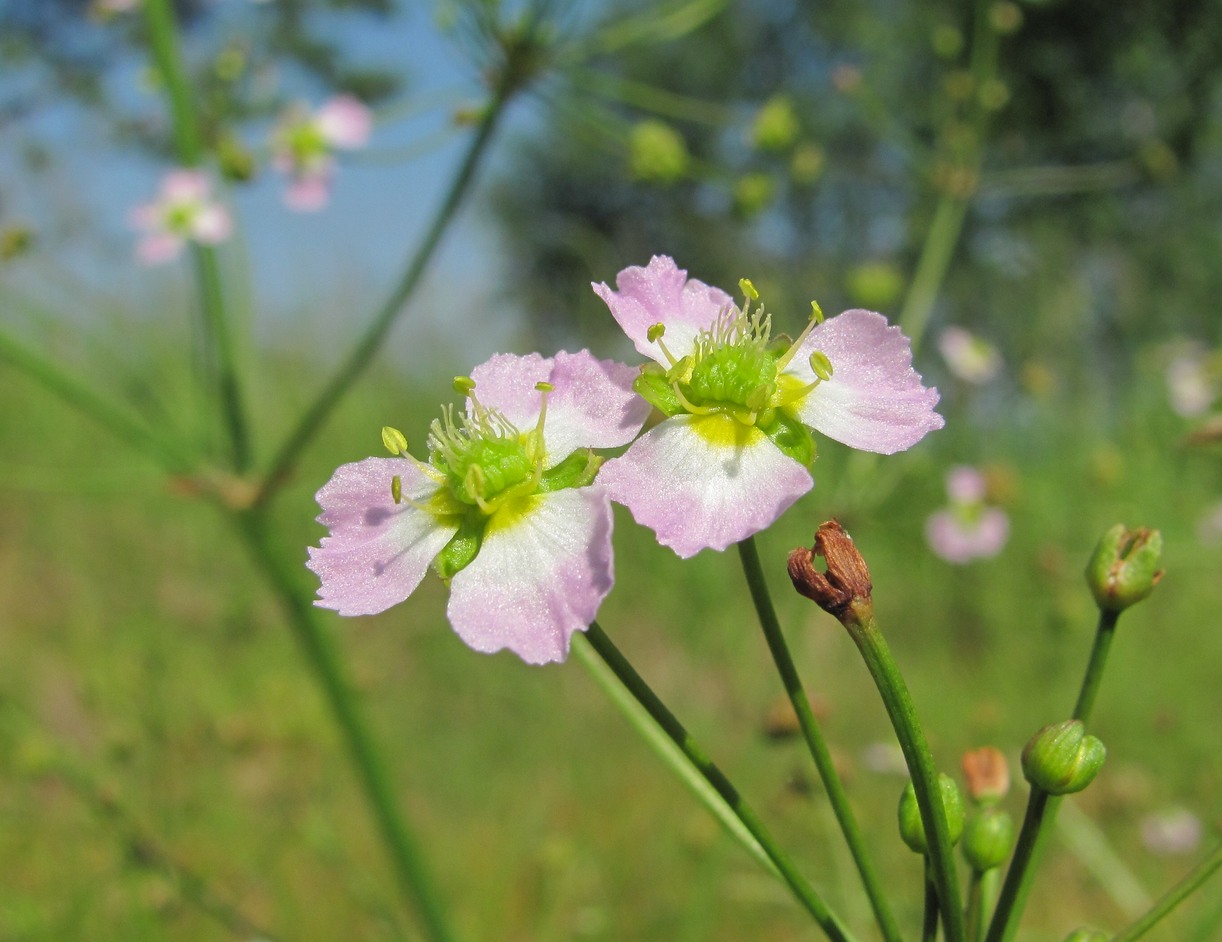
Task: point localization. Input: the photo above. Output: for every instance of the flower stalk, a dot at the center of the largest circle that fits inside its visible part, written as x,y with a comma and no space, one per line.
815,742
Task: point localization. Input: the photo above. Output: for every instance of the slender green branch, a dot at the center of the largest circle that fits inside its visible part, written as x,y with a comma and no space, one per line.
362,354
815,742
414,880
1041,807
167,57
936,253
65,385
1193,881
805,893
670,753
864,630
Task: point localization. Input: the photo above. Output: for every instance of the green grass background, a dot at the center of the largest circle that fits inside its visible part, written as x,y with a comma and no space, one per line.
166,756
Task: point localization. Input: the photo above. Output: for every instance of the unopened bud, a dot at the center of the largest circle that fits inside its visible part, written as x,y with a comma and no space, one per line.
1123,569
988,838
846,581
912,828
987,774
1063,758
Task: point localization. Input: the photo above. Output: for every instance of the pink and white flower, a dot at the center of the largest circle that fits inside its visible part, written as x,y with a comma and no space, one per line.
734,449
183,211
304,145
970,358
968,529
504,509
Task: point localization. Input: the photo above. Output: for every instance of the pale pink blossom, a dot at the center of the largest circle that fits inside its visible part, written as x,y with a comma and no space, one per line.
970,358
304,145
183,211
1193,380
503,508
1172,832
967,529
734,449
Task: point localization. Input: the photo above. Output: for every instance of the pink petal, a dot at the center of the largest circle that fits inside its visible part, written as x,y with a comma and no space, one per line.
662,294
965,485
212,224
158,247
184,186
378,551
959,542
308,193
592,406
539,576
874,400
704,482
345,122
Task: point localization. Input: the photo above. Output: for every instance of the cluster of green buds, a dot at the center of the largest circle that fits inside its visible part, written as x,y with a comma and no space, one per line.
988,836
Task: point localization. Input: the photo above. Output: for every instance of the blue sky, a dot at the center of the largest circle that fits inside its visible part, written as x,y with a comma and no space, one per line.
320,275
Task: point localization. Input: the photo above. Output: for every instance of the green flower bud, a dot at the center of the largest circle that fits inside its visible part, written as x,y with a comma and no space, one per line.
657,153
776,125
1062,758
988,838
1123,569
912,829
753,192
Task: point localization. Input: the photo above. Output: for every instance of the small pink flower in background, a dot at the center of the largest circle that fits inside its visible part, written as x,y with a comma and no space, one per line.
1194,378
1209,526
504,508
968,357
183,211
1172,832
734,450
304,145
968,529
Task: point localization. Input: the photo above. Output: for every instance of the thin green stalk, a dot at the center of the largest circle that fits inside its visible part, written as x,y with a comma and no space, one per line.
167,58
414,880
643,693
1041,807
1192,881
671,754
66,385
929,921
362,354
897,700
936,253
749,555
981,889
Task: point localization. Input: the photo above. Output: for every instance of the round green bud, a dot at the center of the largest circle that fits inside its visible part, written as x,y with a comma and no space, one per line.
1063,758
912,828
988,838
776,125
1123,569
657,153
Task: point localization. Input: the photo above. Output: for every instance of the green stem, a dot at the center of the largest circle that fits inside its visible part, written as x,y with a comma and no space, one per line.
936,253
167,58
894,691
670,753
402,846
367,346
979,891
1193,881
749,555
929,921
67,386
644,695
1042,807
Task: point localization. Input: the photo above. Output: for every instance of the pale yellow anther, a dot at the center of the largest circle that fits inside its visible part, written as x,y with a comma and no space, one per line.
394,441
464,385
655,332
816,312
396,489
821,365
544,387
748,289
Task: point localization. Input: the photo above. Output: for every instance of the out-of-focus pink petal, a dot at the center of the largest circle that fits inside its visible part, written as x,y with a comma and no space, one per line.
184,186
661,293
704,482
875,400
965,485
540,575
308,193
144,216
592,405
345,122
377,551
958,541
212,224
158,247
